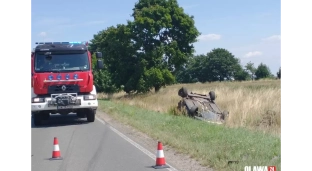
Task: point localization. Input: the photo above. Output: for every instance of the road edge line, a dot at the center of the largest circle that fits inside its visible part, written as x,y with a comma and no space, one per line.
145,151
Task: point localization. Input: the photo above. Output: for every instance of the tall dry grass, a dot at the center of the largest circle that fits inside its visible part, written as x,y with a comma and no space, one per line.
251,104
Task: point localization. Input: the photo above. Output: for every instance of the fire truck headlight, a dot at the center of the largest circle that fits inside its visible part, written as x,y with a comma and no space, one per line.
89,97
37,100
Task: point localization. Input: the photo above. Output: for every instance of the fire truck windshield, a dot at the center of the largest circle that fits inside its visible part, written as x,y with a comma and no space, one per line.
61,62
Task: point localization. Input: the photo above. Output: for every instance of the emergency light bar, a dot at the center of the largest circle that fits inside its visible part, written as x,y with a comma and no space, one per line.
42,43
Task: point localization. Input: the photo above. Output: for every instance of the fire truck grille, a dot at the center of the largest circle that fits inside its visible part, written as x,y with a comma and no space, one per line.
63,89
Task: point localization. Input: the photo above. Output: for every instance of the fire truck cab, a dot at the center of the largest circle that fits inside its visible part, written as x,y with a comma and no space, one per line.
62,80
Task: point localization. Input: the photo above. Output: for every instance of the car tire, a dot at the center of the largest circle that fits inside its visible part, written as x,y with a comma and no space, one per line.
183,92
212,95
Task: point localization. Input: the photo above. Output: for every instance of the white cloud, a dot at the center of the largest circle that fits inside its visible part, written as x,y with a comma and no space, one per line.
272,38
254,53
206,37
42,34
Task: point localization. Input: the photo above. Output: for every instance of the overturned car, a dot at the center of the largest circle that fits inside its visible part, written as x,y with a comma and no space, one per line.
201,106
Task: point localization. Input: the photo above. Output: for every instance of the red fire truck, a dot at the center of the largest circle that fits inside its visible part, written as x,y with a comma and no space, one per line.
62,80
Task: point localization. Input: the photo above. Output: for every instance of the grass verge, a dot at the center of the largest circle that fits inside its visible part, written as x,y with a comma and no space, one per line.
212,145
255,105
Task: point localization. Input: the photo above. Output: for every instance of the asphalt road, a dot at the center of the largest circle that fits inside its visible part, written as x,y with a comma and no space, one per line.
85,147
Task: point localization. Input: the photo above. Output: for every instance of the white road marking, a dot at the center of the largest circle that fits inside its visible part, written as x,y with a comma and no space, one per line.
145,151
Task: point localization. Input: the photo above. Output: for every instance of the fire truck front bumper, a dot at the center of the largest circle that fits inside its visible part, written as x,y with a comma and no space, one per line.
64,102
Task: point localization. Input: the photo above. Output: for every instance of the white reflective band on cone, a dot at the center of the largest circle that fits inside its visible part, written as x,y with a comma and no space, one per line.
56,148
160,154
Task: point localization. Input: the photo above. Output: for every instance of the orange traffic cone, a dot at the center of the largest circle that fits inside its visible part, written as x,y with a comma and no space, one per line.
56,154
160,158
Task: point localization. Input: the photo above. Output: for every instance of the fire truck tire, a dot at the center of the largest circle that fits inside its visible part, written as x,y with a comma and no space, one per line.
91,115
37,119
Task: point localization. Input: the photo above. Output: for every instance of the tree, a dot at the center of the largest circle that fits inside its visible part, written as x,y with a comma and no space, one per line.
103,79
221,65
252,70
164,36
194,70
185,74
217,65
119,55
157,78
278,74
241,74
145,52
263,71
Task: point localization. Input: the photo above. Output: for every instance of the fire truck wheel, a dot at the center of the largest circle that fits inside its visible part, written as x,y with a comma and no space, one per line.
37,119
91,115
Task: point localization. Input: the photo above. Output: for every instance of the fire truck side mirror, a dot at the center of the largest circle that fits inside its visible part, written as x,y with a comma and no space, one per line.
100,64
98,55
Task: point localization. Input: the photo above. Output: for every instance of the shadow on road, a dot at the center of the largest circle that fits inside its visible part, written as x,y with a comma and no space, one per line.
150,167
59,120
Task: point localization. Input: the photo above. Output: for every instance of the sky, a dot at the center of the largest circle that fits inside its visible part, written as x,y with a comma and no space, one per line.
249,29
